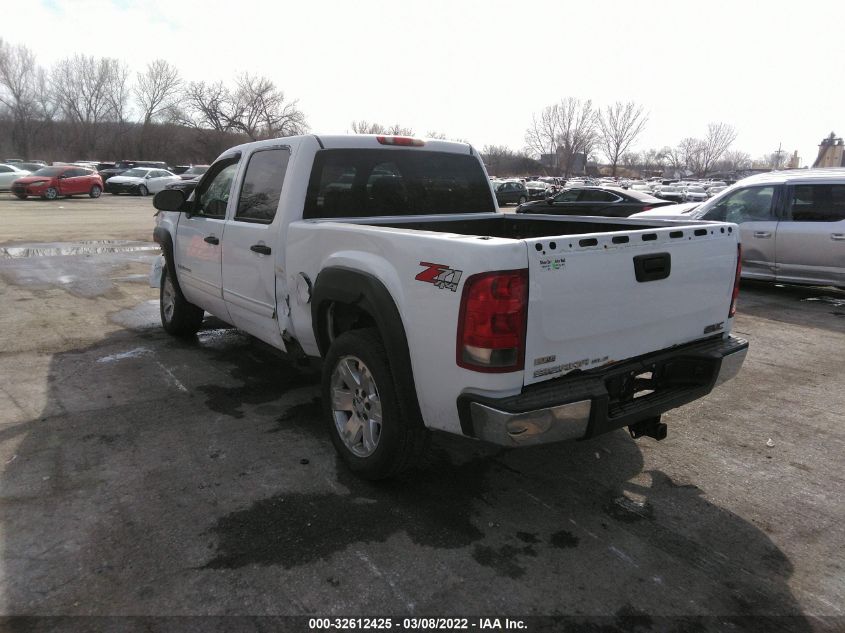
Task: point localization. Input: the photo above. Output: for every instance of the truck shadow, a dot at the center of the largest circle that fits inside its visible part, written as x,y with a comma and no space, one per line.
168,477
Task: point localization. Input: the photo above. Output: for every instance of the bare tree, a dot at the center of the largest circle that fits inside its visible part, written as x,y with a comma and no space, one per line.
205,106
156,89
562,131
577,130
720,136
690,150
365,127
259,109
543,136
20,93
619,126
654,159
734,160
89,92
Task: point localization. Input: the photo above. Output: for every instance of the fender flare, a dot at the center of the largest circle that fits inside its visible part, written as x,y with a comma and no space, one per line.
162,237
354,287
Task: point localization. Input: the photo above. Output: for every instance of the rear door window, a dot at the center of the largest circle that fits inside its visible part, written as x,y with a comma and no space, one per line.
817,203
262,186
376,182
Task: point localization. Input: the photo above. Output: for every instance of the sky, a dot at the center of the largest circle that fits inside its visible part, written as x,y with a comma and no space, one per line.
479,70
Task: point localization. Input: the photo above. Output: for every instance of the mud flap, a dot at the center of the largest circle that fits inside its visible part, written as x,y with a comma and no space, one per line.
155,272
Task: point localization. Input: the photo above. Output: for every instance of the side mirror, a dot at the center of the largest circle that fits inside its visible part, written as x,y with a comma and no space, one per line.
169,200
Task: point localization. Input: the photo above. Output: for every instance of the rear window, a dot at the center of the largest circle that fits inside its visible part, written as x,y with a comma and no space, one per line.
375,182
818,203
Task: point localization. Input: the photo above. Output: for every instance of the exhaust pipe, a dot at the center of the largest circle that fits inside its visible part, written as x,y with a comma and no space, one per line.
650,427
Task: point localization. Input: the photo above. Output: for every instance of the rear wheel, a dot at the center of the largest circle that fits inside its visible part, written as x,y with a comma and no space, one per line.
142,190
96,191
50,194
522,199
178,316
369,418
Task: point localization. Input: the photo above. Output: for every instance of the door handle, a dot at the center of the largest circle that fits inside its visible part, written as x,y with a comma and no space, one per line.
762,234
839,237
260,248
211,240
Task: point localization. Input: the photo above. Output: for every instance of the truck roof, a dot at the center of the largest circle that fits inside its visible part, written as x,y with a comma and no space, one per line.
363,141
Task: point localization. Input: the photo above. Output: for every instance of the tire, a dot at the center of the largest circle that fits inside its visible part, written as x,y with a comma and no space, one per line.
142,190
178,316
96,191
50,194
358,382
522,200
20,196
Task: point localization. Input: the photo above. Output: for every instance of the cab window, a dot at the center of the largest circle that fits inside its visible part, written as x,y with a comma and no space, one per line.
262,185
213,198
753,204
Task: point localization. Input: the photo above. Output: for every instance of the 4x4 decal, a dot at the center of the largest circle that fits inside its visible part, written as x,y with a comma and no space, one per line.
440,275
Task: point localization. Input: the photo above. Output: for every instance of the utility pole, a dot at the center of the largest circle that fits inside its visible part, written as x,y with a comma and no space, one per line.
778,153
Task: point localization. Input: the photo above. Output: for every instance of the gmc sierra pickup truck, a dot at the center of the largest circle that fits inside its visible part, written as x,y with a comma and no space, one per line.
388,258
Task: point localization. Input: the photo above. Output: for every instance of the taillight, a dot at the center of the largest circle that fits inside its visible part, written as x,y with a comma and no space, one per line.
735,295
400,140
491,323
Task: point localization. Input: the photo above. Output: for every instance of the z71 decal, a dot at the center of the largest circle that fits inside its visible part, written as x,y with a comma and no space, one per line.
440,275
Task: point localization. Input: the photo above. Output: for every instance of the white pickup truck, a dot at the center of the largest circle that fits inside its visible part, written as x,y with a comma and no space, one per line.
388,258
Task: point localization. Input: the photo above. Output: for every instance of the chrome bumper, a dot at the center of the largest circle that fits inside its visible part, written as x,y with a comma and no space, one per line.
571,421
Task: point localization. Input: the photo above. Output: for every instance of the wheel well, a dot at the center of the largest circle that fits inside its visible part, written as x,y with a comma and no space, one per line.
341,317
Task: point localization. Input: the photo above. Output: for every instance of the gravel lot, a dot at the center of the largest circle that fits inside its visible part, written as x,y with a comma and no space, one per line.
144,476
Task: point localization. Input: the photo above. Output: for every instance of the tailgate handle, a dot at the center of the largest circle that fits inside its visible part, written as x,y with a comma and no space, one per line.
652,267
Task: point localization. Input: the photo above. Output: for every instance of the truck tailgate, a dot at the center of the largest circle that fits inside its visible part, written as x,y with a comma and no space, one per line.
605,297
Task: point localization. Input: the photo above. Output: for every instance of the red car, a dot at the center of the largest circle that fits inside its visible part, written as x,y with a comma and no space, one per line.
52,182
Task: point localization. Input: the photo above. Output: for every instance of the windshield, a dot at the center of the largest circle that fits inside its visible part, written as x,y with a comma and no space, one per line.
695,189
669,188
135,173
374,182
198,170
49,171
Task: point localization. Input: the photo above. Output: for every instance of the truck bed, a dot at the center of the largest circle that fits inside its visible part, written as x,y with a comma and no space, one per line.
522,226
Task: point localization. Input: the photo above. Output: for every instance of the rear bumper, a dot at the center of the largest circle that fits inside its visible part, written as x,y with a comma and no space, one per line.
591,403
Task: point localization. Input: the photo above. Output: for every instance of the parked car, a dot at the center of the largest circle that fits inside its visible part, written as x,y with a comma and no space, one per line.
124,165
29,166
140,181
606,201
792,224
694,193
536,189
9,173
673,193
421,325
511,192
185,186
51,182
193,172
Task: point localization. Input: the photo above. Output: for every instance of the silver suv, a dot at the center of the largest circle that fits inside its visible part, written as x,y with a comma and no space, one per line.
792,224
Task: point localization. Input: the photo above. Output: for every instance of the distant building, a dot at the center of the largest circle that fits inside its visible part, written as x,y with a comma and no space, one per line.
831,152
794,161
